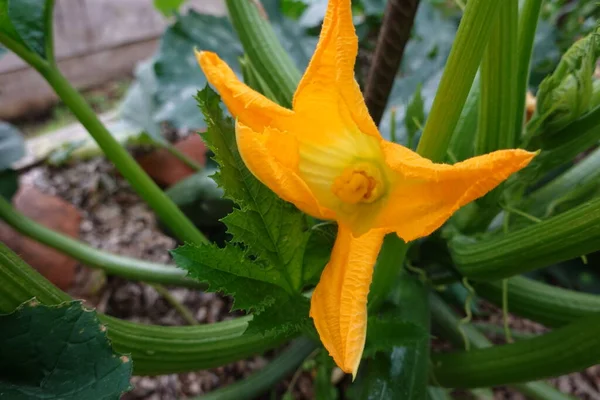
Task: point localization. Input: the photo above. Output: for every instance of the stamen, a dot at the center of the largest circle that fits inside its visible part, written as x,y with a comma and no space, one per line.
359,183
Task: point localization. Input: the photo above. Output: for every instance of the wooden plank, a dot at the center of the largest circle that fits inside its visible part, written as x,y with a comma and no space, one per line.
88,26
25,92
96,41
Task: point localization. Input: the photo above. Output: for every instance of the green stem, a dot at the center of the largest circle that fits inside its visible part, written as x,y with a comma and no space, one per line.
49,31
561,148
565,350
505,316
182,157
446,324
541,391
528,22
549,305
471,40
135,175
389,264
461,145
125,267
498,84
156,350
580,174
263,49
263,380
568,235
185,312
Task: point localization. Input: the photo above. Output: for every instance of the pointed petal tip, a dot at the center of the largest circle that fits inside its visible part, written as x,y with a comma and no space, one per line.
206,58
519,158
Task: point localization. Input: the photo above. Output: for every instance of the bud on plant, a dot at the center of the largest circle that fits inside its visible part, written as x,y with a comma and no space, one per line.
567,94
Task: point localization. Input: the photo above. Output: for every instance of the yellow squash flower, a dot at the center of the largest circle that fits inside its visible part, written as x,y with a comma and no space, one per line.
326,156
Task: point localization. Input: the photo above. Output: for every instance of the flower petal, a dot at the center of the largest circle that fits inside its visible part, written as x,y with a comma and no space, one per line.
426,194
244,103
339,302
272,156
328,82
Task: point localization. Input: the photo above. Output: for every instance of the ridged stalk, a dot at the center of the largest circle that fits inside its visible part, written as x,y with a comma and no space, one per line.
464,59
126,267
549,305
528,23
568,235
585,171
565,350
446,324
263,49
562,148
498,84
155,349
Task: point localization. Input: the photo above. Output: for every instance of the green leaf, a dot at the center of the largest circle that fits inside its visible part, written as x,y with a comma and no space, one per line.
32,22
166,84
59,352
168,7
201,200
287,316
217,266
230,272
317,251
9,183
401,373
6,26
391,331
274,230
262,266
293,8
254,287
12,146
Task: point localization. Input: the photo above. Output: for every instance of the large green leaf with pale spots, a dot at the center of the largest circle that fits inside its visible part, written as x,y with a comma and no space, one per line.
58,352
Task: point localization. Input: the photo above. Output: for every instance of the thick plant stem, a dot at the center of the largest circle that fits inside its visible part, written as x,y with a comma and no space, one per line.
156,350
465,56
125,267
528,22
446,324
263,49
135,175
260,382
565,350
394,34
568,235
498,84
549,305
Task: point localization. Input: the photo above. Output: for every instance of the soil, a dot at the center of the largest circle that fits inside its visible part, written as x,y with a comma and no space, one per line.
116,220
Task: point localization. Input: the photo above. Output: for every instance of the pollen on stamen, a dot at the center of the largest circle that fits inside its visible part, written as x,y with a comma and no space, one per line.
359,183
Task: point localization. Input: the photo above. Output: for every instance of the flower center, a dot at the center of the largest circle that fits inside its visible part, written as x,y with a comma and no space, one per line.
359,183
